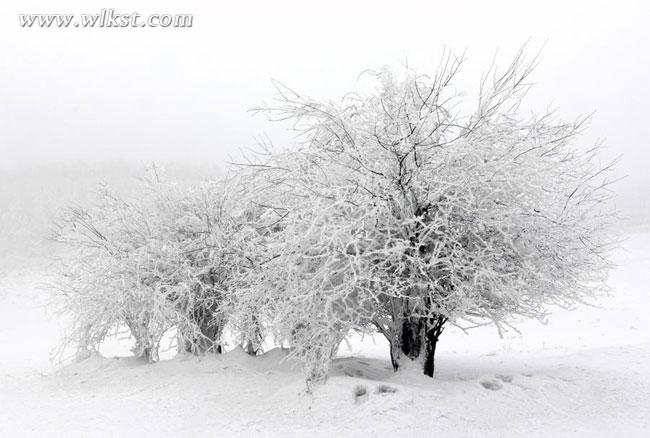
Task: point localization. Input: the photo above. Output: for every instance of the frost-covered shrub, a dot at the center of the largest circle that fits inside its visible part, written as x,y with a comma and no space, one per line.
397,211
158,260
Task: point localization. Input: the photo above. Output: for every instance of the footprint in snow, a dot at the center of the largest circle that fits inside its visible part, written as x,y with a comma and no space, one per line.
360,393
385,389
492,385
507,378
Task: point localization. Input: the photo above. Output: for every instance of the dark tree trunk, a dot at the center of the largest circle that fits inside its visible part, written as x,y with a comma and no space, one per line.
411,337
208,342
206,317
432,335
417,341
210,327
150,354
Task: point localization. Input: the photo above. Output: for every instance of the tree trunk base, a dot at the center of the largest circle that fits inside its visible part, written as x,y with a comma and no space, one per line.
150,354
417,341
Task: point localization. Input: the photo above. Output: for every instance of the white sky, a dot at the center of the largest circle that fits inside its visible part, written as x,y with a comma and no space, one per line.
182,94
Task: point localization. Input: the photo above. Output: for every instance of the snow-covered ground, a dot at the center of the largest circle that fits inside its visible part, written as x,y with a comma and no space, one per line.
585,373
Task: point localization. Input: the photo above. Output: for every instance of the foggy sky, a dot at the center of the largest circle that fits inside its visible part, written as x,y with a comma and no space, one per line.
183,94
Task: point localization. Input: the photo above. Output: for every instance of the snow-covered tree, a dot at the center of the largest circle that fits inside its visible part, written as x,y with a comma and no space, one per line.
409,208
160,259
